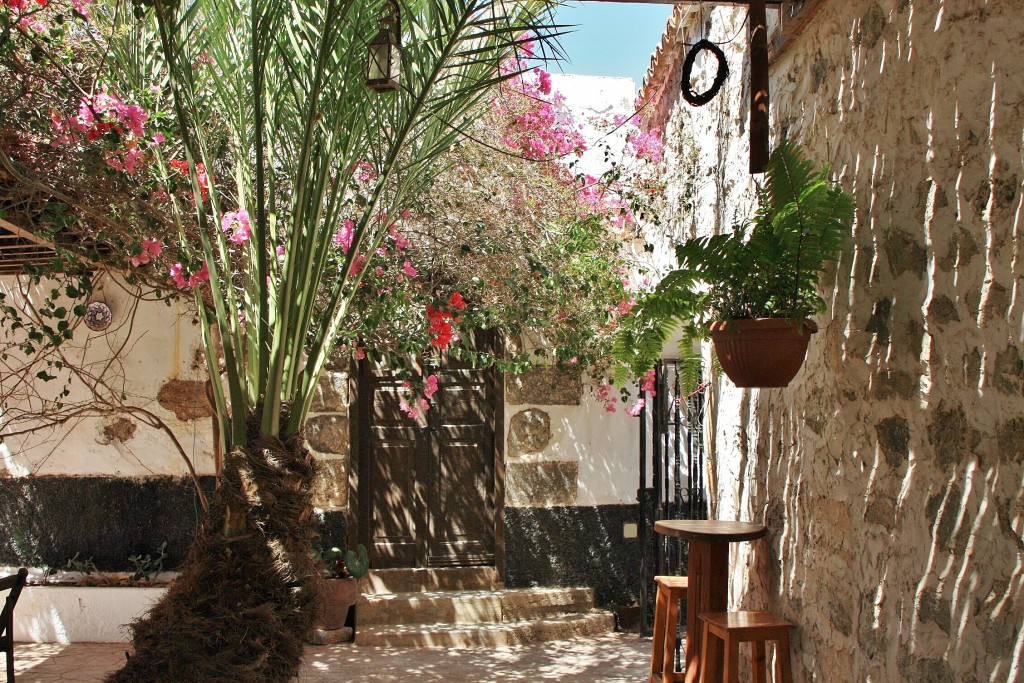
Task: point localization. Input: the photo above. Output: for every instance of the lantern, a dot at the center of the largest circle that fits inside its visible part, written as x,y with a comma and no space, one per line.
386,51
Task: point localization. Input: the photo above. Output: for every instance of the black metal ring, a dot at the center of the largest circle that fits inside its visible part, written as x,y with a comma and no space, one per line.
700,99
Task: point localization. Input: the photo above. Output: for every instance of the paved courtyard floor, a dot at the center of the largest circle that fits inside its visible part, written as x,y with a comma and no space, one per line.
611,658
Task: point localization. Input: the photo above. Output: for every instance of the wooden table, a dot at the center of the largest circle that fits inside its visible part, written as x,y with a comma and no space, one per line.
708,572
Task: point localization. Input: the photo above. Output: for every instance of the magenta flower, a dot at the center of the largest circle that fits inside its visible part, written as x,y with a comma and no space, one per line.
431,387
637,407
409,270
237,223
343,238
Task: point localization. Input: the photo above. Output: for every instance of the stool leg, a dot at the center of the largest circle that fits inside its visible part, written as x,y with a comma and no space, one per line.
760,663
785,667
732,659
710,656
660,614
671,625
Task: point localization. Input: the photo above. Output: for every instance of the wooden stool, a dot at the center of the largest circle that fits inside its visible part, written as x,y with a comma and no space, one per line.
671,589
732,628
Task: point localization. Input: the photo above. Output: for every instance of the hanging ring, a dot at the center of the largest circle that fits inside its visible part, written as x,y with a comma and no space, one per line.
700,99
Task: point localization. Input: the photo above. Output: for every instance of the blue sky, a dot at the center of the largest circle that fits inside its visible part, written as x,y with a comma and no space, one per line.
611,38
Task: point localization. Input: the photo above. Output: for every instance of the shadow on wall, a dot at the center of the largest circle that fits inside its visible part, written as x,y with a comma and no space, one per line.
890,471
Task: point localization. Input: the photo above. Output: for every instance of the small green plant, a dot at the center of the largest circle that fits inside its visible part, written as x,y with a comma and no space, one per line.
147,568
345,564
84,566
358,563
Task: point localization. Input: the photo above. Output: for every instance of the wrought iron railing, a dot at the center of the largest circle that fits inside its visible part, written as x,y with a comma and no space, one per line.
671,475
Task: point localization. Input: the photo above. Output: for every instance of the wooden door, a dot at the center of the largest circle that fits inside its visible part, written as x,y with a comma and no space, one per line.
428,488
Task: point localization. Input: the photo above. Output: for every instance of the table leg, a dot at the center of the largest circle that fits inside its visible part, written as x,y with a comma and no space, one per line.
708,591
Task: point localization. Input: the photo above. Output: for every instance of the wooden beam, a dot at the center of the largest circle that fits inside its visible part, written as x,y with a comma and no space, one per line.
758,87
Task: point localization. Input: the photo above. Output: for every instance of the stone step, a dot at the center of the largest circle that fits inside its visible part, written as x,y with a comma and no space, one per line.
471,607
487,634
430,580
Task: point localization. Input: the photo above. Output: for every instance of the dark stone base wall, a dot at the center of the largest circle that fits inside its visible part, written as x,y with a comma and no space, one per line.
45,521
574,546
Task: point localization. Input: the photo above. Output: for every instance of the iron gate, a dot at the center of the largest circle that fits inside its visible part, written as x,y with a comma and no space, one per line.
671,475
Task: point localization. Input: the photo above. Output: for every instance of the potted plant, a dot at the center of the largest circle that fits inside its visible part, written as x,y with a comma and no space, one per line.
342,569
754,289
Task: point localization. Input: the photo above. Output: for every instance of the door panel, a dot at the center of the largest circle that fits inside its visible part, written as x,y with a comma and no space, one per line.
427,486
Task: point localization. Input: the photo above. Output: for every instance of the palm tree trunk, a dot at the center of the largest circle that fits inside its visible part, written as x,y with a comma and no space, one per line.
246,597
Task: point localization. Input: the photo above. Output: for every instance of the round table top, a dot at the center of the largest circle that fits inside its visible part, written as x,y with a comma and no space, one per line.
710,530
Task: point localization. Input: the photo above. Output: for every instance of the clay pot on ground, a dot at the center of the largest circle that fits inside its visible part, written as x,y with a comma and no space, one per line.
337,597
763,352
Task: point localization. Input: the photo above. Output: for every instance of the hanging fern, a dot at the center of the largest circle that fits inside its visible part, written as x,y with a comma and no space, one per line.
769,267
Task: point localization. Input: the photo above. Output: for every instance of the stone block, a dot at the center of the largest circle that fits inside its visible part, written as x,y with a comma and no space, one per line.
952,436
185,398
544,386
328,434
121,430
541,484
894,439
332,636
331,488
331,393
529,431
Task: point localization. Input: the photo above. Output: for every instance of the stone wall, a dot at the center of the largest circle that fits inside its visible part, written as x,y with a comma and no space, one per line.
890,471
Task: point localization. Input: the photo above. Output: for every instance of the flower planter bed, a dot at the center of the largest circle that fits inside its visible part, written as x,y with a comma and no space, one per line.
80,614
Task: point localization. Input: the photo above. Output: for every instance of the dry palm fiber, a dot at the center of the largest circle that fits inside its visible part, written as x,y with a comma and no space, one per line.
245,600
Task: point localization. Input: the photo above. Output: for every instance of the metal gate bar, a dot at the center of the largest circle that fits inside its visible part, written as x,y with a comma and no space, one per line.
672,458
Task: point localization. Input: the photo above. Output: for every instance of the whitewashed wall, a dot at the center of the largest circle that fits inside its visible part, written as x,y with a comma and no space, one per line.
890,472
156,344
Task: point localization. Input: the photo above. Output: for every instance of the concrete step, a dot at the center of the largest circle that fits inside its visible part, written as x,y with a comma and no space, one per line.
486,634
471,607
430,580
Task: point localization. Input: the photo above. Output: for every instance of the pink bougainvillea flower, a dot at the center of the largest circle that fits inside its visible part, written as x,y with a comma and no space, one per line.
423,404
364,171
346,233
81,6
400,242
237,224
151,248
280,250
200,276
176,275
543,81
637,408
648,383
431,386
360,353
159,139
409,270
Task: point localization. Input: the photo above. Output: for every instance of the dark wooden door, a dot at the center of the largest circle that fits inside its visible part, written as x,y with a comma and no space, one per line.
428,487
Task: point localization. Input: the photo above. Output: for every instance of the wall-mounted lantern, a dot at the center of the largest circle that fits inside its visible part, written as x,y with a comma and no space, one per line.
386,51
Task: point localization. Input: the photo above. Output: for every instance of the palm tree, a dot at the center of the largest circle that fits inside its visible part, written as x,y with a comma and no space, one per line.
272,95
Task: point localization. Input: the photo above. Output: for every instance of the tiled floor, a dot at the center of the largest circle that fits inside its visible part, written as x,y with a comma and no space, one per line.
612,658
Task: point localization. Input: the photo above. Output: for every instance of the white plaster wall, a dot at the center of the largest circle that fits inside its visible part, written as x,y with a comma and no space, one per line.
595,103
66,614
155,343
890,471
605,445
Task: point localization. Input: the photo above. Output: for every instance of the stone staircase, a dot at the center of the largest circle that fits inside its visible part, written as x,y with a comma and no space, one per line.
469,607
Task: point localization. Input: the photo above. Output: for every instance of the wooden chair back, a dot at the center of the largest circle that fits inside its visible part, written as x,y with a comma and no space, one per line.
14,584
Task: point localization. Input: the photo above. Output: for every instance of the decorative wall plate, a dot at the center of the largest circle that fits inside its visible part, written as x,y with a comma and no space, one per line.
98,316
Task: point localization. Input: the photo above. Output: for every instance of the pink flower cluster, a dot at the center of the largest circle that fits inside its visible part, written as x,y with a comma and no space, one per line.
102,114
538,129
647,384
236,223
421,404
151,248
604,394
186,281
646,145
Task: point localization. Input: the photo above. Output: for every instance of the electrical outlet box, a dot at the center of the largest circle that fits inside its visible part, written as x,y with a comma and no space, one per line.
629,530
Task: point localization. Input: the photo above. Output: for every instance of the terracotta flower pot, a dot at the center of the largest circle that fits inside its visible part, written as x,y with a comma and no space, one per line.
764,352
337,596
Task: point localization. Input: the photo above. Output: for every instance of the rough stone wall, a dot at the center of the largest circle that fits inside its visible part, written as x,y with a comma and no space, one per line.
890,471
